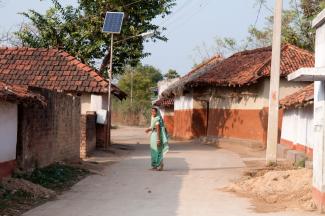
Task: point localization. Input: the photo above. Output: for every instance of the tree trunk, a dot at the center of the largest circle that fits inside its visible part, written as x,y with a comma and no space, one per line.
105,63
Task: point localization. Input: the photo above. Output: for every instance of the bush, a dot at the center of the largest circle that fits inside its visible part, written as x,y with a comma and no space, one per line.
135,114
56,176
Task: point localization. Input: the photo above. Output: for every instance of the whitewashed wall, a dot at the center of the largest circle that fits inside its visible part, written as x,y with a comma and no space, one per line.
8,131
98,102
297,126
183,103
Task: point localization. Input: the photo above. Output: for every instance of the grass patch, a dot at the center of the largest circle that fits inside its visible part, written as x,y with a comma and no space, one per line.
57,177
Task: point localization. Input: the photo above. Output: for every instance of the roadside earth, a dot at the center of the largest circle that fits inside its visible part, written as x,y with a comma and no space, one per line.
272,188
24,191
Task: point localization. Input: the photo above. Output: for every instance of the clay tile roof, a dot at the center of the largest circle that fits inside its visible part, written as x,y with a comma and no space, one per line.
193,74
300,98
165,102
51,69
248,67
19,94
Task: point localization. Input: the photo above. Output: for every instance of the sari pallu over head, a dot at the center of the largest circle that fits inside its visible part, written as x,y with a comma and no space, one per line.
163,132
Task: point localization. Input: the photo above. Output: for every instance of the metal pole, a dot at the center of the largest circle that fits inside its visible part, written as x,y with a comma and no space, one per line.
109,119
273,113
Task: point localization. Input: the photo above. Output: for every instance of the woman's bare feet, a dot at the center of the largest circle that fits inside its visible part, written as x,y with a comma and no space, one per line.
161,167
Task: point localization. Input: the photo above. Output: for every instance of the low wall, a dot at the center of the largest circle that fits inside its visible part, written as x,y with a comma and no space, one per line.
297,129
87,133
6,168
49,134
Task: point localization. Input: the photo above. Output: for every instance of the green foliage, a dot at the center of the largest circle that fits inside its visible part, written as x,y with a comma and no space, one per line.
139,83
171,74
296,25
296,30
78,30
143,79
56,176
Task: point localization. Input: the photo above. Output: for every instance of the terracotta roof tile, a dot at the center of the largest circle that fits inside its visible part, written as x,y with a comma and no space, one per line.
193,74
248,67
20,94
165,102
40,67
300,98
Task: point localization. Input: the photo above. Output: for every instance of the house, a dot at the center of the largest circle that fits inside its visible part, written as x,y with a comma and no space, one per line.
166,105
12,96
229,98
58,71
179,103
316,74
297,123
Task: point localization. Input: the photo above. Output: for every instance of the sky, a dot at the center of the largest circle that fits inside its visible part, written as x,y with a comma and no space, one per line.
192,23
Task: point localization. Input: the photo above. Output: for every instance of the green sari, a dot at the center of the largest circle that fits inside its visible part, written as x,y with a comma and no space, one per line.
157,153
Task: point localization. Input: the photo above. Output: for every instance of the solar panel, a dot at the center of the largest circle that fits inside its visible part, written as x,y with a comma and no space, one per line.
113,22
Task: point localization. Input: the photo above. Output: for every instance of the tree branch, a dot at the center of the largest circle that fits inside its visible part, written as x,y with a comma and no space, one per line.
105,63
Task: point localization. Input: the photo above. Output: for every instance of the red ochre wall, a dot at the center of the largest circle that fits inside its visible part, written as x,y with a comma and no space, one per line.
228,123
241,124
6,168
169,124
296,146
189,124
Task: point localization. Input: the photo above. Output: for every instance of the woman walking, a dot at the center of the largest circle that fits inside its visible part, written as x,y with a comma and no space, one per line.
158,140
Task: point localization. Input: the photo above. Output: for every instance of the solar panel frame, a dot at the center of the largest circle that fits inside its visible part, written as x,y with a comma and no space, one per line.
113,22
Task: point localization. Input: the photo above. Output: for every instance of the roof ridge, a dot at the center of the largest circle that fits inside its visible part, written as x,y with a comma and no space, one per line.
298,49
28,48
203,63
247,52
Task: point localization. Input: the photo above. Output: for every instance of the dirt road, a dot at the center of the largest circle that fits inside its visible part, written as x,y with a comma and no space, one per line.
189,186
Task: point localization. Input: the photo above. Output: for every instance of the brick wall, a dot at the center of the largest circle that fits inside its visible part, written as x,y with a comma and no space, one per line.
101,135
87,133
50,134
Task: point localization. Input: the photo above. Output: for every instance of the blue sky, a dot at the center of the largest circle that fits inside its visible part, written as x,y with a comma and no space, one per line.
193,22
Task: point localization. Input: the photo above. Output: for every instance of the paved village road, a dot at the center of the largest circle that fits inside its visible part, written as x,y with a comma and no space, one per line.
189,186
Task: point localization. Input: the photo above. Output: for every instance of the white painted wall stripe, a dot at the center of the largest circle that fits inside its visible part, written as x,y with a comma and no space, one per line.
8,131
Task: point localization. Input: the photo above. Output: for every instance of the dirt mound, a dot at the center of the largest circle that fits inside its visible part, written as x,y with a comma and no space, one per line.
284,188
37,191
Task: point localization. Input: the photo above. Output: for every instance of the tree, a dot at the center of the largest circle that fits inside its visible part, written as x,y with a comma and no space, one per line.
296,25
171,74
138,82
296,30
143,78
78,30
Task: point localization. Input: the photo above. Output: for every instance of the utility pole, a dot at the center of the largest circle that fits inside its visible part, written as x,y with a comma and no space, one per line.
112,24
109,118
131,86
273,113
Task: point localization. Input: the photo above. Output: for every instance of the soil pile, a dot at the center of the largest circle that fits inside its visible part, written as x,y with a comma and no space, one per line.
37,191
281,188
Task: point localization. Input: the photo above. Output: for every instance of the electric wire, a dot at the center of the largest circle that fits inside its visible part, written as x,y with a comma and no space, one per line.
177,25
132,3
